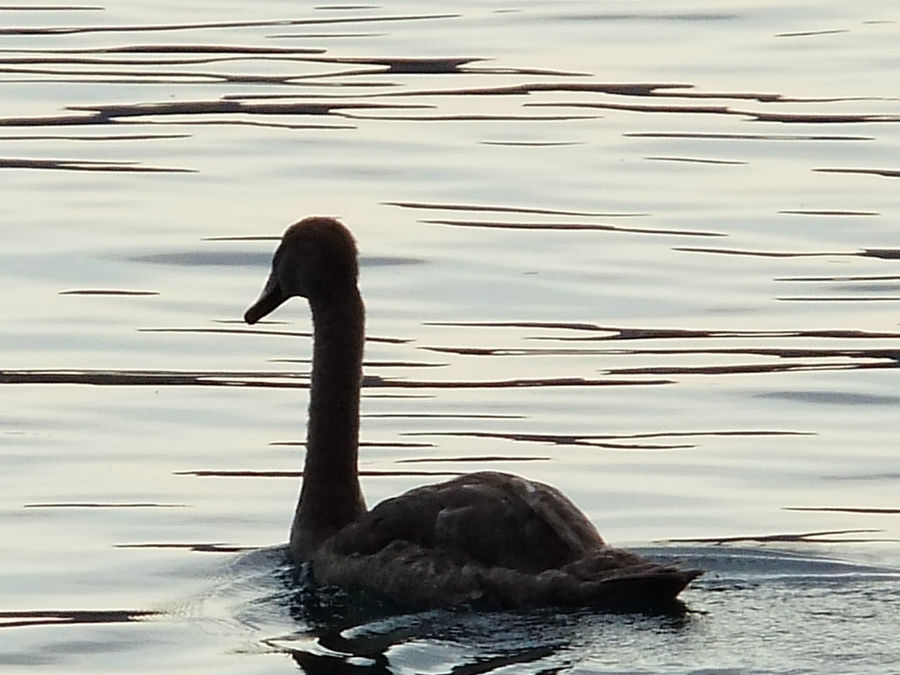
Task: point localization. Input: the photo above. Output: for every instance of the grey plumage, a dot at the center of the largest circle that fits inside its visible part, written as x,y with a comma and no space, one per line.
484,537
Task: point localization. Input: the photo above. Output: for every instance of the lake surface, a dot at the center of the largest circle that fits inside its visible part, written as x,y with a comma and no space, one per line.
647,252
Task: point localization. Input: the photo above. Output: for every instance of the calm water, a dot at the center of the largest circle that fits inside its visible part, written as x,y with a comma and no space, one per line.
645,251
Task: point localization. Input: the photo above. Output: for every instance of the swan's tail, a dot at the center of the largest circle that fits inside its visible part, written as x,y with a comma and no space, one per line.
643,587
619,578
646,589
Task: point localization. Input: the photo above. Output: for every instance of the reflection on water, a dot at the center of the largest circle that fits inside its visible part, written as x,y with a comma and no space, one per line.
335,630
648,256
68,617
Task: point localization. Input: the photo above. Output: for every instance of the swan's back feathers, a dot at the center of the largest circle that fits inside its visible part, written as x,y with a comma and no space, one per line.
489,537
489,518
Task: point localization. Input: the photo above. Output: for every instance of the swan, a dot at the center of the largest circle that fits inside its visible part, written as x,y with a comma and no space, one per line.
484,537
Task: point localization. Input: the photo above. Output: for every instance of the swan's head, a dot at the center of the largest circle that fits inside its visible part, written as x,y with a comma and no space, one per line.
316,259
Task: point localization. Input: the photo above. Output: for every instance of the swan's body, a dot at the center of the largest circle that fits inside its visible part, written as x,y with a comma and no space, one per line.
484,536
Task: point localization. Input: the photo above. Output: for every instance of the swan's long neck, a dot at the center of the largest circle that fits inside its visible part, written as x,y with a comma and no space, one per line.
331,497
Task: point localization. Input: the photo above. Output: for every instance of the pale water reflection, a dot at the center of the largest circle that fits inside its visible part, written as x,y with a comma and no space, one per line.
647,254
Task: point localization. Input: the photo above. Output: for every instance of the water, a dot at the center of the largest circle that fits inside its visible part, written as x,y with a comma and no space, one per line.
645,252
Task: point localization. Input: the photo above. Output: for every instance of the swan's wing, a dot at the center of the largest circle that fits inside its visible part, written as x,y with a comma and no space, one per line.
490,537
414,576
493,519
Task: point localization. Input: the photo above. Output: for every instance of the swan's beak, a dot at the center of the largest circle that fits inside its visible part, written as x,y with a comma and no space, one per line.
269,299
